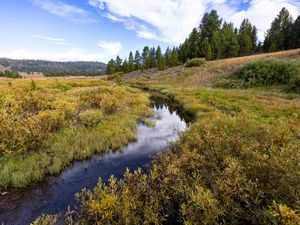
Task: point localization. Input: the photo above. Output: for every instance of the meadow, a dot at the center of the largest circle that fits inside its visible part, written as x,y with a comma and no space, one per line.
237,164
47,124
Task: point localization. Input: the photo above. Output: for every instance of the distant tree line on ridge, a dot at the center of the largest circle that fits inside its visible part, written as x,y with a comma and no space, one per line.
51,68
215,39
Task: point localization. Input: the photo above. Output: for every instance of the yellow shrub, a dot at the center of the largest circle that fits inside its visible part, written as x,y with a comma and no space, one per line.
91,117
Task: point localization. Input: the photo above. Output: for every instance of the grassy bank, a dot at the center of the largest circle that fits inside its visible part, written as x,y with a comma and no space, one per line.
46,125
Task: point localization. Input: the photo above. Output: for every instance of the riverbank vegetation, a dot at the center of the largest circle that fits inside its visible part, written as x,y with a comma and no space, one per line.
46,125
237,164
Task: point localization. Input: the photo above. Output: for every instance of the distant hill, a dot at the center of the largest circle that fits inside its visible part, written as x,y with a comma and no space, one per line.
51,68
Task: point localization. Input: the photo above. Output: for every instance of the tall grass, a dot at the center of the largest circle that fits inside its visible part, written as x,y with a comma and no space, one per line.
43,130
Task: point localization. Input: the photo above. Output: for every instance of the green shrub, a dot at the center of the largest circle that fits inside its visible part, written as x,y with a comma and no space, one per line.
115,76
150,123
195,62
294,85
61,86
91,117
266,72
230,84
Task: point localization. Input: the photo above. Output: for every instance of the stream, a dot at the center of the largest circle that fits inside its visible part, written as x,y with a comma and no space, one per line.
55,194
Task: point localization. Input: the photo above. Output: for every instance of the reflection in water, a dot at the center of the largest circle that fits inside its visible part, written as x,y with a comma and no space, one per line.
53,195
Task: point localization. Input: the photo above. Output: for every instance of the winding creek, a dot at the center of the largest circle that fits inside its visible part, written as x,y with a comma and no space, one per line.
55,194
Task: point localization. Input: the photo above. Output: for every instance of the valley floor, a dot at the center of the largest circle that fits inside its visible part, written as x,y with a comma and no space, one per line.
238,163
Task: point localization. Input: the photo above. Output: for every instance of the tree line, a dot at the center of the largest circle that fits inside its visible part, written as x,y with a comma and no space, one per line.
52,68
215,39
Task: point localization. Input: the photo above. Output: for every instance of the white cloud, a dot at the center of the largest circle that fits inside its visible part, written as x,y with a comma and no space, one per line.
57,41
66,11
107,51
260,13
171,21
110,48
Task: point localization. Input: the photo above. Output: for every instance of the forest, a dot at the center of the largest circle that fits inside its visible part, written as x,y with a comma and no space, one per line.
215,39
50,68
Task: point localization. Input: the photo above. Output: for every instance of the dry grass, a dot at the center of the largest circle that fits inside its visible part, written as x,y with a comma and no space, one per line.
247,59
205,75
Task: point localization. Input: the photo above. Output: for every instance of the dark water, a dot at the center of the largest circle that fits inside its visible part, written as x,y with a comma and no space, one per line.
55,194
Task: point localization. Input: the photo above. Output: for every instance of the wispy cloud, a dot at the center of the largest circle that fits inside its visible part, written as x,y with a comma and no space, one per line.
107,50
171,21
56,41
72,13
110,48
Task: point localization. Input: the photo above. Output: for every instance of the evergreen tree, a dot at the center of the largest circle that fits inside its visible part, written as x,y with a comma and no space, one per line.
193,43
216,45
118,64
137,60
183,52
145,56
160,59
247,37
152,57
230,44
295,34
125,66
174,61
111,67
130,63
168,57
206,49
158,54
161,63
210,23
278,35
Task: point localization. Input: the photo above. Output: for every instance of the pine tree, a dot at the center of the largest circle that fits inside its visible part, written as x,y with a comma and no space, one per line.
174,61
145,56
183,52
158,54
118,64
111,67
247,37
160,59
168,57
216,45
193,43
277,36
161,63
295,34
229,41
206,49
125,66
152,62
137,60
130,62
210,23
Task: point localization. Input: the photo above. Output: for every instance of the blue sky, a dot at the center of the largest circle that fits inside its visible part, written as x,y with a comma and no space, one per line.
70,30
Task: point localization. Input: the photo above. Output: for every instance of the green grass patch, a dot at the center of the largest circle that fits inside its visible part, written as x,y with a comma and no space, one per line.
150,123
